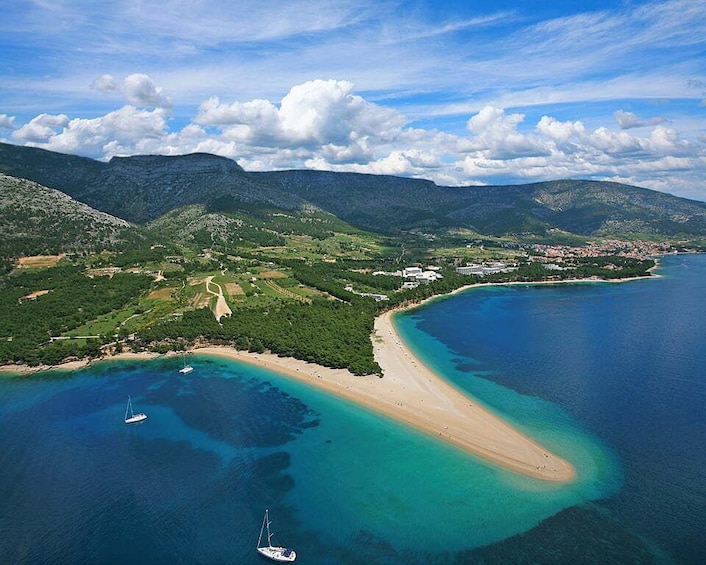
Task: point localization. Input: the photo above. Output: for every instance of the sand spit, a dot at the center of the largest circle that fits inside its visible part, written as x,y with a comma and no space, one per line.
409,392
413,394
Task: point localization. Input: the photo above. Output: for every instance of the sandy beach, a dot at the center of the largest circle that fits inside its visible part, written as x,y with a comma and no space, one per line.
409,392
413,394
26,370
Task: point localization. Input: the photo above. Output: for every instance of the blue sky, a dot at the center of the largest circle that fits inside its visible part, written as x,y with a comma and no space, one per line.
459,92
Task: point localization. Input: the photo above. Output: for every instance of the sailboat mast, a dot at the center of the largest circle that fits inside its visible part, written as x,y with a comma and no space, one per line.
128,407
266,523
264,519
269,535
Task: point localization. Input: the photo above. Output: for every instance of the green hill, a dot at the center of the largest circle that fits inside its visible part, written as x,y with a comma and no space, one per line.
140,189
39,220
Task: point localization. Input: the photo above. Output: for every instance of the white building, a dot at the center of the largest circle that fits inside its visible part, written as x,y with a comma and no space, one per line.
417,275
486,269
428,276
411,272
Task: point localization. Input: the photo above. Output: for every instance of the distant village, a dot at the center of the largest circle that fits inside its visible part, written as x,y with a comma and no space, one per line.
635,249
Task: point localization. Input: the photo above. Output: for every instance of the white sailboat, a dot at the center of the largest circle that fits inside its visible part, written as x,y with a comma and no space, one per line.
186,369
133,418
274,552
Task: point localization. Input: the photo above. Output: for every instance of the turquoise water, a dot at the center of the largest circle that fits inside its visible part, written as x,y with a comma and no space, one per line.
623,363
344,485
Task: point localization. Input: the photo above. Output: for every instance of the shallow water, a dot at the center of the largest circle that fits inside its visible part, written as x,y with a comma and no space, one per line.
624,361
605,375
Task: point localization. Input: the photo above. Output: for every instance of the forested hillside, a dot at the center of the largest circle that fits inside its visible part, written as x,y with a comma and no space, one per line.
38,306
285,255
39,220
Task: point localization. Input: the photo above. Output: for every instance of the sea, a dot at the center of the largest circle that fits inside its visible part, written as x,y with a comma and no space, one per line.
610,376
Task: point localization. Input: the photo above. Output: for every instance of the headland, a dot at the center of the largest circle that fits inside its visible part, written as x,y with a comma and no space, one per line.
413,394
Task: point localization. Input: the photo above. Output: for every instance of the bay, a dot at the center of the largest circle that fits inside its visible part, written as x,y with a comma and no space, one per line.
626,361
607,375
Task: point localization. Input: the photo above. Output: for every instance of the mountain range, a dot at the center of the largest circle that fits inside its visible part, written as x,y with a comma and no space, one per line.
141,189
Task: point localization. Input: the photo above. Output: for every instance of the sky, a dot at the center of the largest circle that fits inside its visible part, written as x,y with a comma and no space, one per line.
463,93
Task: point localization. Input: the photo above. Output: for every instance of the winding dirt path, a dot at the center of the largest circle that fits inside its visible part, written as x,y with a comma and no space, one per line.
222,308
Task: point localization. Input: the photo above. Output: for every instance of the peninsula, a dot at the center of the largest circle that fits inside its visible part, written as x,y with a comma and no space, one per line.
296,270
413,394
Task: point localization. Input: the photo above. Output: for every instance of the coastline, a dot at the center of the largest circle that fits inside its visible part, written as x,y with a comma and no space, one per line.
409,393
530,283
413,394
26,370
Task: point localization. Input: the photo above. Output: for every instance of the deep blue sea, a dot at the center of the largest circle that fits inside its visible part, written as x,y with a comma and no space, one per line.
609,376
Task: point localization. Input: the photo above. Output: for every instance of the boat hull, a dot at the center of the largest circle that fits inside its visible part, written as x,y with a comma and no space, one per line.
278,553
136,419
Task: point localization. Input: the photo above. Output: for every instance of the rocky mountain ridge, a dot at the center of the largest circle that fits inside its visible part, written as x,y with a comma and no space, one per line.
143,188
35,219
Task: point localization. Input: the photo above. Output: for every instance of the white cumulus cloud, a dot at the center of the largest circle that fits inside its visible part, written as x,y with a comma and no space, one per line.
41,128
561,132
317,113
141,90
494,123
126,131
7,122
628,120
105,83
496,133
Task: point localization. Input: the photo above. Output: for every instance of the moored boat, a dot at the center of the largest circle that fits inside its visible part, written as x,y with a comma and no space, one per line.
133,418
274,552
186,369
